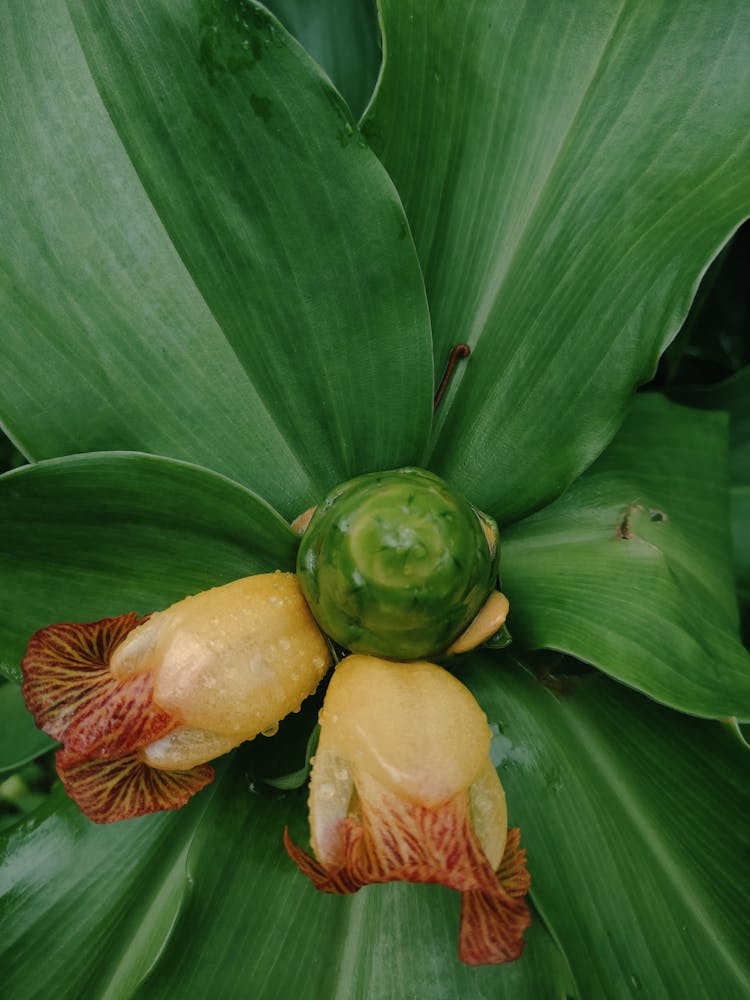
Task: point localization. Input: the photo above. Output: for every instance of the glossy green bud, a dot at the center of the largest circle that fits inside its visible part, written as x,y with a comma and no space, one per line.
397,564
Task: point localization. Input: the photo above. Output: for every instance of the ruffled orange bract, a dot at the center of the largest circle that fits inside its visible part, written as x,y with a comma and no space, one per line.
397,841
382,835
102,722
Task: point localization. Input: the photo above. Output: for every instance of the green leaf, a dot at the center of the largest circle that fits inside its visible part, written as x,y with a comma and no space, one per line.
200,256
99,535
343,37
740,497
713,341
208,899
86,908
630,569
733,396
629,813
306,943
20,740
567,177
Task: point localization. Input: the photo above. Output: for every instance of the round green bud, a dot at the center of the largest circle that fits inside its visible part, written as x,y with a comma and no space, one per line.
397,564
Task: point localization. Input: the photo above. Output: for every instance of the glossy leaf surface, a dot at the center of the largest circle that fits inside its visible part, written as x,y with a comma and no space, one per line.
636,857
630,569
96,901
200,258
208,901
567,179
99,535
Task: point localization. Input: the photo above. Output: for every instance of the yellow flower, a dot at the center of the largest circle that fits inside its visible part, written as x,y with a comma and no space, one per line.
402,789
141,706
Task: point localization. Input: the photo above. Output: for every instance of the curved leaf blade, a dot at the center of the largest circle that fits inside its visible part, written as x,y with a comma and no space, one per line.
631,570
99,535
733,396
20,740
97,902
567,182
629,814
200,256
261,925
207,901
343,38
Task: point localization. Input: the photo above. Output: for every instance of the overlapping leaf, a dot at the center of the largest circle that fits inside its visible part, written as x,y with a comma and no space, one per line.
630,816
215,886
343,37
205,261
630,569
733,396
86,908
568,172
20,740
98,535
199,256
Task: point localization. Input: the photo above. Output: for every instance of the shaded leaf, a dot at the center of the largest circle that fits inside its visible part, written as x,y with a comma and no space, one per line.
567,181
20,740
629,813
733,396
261,923
713,342
200,258
100,535
96,902
631,570
213,883
343,37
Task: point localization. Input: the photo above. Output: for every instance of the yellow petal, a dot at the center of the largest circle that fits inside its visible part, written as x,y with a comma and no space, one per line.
489,813
489,619
185,748
233,660
331,791
413,726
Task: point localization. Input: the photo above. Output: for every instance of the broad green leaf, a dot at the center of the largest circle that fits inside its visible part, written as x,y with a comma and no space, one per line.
630,569
263,929
568,171
98,535
200,256
208,900
733,395
20,740
713,341
740,497
343,37
85,909
632,816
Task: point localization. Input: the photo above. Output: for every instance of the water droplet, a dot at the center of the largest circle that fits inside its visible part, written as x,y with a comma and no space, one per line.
635,981
270,730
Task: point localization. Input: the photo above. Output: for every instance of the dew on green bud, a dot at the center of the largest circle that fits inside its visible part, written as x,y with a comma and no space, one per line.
397,564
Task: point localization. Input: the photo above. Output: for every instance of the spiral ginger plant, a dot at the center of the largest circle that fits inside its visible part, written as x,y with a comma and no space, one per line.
240,246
